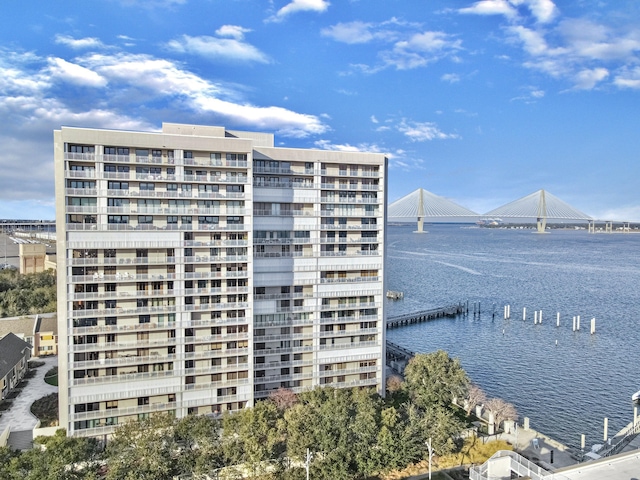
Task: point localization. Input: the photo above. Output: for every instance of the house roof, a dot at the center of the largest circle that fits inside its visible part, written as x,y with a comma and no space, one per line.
21,326
11,351
47,323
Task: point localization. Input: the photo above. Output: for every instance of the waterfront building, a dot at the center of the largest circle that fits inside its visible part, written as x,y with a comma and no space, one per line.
200,269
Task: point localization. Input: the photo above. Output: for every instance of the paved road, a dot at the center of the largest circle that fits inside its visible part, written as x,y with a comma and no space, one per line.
19,416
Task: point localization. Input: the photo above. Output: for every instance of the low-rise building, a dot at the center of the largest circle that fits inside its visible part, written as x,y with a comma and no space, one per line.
14,362
40,331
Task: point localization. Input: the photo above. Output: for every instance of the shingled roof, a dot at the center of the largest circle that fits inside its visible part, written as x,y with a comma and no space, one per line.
11,351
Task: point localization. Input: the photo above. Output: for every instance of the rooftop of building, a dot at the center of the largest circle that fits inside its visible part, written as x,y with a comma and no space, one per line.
11,351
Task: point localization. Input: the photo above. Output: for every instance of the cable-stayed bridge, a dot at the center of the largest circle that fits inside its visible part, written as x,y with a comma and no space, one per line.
421,204
540,205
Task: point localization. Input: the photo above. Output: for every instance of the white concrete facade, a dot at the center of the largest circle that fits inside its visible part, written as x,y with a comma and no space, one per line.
200,269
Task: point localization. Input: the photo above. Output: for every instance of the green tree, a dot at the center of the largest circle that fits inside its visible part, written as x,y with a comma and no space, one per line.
435,378
144,450
199,438
63,458
251,437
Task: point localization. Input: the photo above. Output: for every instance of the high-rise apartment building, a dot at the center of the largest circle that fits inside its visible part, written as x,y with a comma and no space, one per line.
200,269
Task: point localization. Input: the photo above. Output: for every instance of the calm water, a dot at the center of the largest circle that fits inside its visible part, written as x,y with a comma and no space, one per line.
565,390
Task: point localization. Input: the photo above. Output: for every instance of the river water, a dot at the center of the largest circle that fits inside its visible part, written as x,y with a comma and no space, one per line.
566,389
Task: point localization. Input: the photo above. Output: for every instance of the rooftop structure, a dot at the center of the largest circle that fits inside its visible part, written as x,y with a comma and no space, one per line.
200,269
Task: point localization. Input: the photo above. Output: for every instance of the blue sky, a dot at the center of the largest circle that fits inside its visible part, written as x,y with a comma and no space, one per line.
481,102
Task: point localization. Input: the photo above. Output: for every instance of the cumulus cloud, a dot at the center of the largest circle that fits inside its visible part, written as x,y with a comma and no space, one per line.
351,32
78,43
215,48
234,31
406,45
491,7
580,51
421,49
628,78
362,147
450,77
299,6
35,100
543,10
73,73
424,131
589,78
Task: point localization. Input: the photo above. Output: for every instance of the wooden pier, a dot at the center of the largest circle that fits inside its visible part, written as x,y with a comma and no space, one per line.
425,315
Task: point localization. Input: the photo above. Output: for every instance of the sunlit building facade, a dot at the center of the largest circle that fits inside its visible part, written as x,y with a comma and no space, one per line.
200,269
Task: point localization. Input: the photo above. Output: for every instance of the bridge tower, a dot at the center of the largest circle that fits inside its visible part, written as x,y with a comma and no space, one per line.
420,212
542,213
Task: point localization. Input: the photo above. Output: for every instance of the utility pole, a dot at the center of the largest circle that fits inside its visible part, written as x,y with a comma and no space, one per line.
430,448
307,462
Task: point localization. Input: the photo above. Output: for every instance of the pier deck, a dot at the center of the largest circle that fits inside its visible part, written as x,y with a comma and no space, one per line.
425,315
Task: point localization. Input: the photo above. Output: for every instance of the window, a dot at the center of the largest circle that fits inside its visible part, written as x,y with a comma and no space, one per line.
118,185
147,186
118,219
82,148
81,184
145,220
188,154
208,220
172,187
117,202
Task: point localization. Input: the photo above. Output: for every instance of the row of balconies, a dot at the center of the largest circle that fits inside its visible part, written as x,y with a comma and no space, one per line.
155,293
350,319
166,177
153,159
353,187
116,193
132,277
161,309
135,210
157,260
200,227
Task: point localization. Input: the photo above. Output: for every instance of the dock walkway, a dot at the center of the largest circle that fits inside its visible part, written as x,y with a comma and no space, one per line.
425,315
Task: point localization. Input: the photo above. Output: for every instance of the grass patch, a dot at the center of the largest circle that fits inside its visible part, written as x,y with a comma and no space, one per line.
473,451
5,404
46,410
51,377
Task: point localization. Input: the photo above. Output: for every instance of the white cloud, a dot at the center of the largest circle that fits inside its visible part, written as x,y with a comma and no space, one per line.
213,48
352,32
421,49
163,78
597,42
78,43
628,78
543,10
374,119
450,77
424,131
234,31
362,147
76,74
589,78
30,112
491,7
299,6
